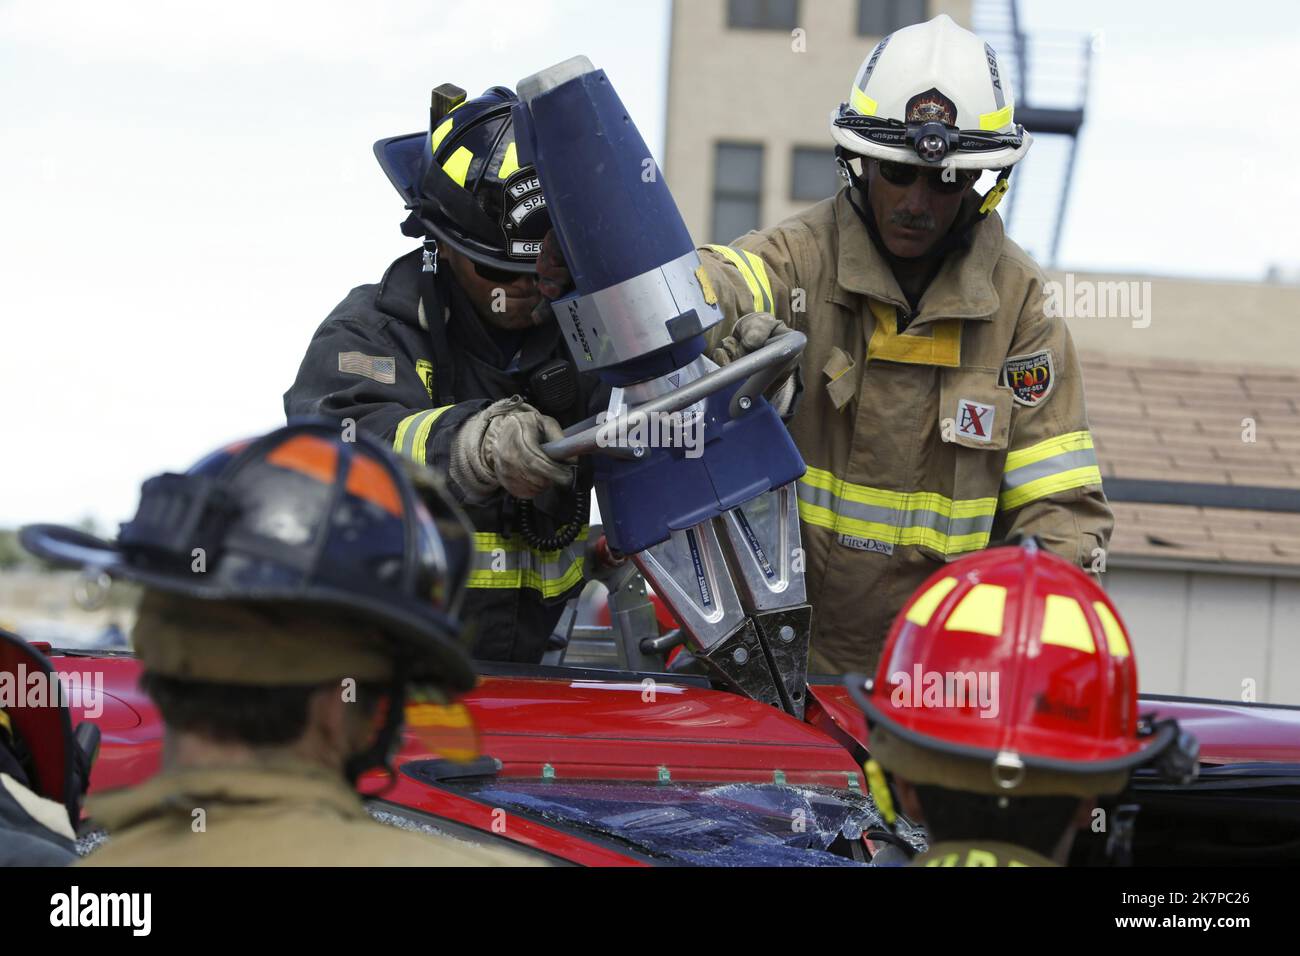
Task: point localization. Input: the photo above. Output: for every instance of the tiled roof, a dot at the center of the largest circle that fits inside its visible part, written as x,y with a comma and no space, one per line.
1174,420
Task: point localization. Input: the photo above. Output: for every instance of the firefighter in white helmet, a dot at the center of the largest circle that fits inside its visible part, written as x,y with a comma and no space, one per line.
942,407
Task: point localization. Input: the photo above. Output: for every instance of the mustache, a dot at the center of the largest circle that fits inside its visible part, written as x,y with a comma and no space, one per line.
922,221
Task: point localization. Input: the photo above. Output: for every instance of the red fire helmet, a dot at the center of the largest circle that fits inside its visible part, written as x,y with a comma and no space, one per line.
1010,671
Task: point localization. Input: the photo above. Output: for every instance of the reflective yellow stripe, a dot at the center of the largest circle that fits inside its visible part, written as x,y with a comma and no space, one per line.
509,163
508,563
923,608
457,167
913,535
1065,626
760,271
1116,642
1052,485
1075,441
762,296
981,611
862,102
900,500
902,518
440,134
997,119
412,439
1048,468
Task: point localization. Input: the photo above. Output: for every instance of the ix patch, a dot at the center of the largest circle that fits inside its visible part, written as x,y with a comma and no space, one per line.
1031,378
975,420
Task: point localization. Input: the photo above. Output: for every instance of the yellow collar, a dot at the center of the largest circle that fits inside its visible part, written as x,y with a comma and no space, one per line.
962,289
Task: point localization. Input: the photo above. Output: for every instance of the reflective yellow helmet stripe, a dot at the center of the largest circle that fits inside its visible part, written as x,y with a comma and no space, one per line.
1064,625
997,119
440,134
509,162
862,102
1116,643
457,166
980,611
923,609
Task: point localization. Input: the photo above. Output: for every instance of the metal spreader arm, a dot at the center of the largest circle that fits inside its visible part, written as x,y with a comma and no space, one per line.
758,369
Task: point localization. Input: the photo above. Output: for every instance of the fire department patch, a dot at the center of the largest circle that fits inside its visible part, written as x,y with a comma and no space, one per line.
931,106
975,420
1030,377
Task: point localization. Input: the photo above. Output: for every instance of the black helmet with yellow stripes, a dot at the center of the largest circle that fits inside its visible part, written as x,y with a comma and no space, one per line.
463,183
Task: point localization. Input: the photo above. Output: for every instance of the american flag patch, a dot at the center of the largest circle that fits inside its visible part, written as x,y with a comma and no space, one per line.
382,369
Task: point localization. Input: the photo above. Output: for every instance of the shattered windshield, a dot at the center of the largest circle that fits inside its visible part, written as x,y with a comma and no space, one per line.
738,824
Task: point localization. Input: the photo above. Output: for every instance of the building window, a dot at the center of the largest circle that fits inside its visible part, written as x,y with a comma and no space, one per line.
762,14
876,18
813,175
737,190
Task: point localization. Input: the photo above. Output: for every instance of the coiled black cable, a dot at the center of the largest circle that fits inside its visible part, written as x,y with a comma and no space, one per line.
566,533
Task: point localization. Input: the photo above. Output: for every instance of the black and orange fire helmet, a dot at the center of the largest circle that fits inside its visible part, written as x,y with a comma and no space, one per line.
307,514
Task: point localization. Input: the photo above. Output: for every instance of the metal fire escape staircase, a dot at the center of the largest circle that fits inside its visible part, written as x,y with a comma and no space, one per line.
1050,75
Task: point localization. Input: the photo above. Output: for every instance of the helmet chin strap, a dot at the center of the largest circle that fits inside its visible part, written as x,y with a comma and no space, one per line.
957,237
385,743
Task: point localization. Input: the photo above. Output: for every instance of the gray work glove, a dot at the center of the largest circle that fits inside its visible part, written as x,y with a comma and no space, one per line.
501,447
749,334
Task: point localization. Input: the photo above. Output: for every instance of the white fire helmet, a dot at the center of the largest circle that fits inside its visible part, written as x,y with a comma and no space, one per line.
932,95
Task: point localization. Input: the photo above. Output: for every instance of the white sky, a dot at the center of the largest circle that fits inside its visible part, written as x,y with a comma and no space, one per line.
186,188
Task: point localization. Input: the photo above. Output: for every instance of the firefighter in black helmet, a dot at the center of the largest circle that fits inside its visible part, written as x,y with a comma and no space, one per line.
298,590
451,361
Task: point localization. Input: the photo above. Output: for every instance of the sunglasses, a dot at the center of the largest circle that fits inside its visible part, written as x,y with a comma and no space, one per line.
904,174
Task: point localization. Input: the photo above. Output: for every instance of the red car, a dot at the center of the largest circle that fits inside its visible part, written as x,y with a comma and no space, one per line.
612,768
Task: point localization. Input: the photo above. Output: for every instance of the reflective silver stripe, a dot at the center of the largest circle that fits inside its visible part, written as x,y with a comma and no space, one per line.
508,563
413,433
1066,461
995,75
916,526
